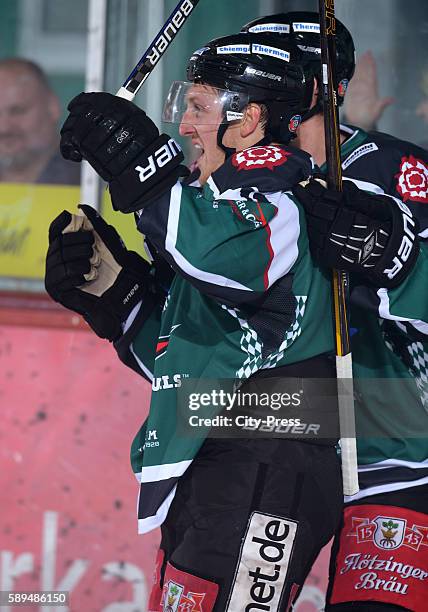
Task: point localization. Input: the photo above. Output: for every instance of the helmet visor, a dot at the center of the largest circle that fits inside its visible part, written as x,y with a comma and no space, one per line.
196,103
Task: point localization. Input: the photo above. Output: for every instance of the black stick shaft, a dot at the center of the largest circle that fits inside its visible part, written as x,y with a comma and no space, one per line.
157,48
340,281
334,166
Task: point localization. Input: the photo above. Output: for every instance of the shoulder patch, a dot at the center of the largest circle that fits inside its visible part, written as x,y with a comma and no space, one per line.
412,183
260,157
359,152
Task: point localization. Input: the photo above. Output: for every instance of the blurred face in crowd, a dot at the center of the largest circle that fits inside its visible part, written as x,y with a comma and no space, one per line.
29,113
422,108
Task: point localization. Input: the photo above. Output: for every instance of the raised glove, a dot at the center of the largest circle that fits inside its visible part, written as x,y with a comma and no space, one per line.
90,271
124,147
374,236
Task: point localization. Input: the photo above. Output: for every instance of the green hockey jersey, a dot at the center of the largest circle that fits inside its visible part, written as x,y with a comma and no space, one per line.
389,328
246,296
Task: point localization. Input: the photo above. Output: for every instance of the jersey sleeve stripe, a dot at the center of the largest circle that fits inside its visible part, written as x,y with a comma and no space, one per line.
144,369
284,234
366,186
180,260
154,473
268,246
384,312
149,523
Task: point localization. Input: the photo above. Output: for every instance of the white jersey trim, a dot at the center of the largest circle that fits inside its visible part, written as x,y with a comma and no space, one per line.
154,473
285,231
347,129
131,317
153,522
389,463
368,186
182,262
394,486
384,311
141,365
285,224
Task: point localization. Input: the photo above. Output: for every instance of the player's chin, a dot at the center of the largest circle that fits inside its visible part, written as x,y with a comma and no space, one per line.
194,166
204,169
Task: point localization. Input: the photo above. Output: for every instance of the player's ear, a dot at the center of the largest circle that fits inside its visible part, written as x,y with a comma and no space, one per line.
251,120
315,92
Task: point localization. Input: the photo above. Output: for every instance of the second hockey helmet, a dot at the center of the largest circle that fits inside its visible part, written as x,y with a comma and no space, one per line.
303,27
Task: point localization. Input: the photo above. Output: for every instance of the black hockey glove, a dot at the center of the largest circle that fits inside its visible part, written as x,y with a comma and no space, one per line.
370,235
89,270
124,147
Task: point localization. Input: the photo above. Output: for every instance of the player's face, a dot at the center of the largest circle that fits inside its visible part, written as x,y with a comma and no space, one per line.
28,116
200,123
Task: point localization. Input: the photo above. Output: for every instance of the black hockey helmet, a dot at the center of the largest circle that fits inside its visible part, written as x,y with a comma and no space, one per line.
253,68
304,29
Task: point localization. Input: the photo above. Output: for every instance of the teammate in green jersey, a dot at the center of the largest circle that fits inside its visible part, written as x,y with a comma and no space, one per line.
389,341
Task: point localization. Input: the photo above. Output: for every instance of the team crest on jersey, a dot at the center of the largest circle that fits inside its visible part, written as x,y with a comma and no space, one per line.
260,157
176,601
388,533
413,180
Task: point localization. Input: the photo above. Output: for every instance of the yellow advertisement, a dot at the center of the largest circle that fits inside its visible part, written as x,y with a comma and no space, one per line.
26,212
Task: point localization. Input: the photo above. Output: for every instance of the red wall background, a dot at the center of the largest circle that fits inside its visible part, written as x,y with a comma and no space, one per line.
69,410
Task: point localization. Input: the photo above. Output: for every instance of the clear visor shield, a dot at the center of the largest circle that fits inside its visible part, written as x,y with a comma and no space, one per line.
194,103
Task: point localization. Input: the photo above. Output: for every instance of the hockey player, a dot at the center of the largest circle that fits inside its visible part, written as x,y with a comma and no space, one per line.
245,296
242,520
389,345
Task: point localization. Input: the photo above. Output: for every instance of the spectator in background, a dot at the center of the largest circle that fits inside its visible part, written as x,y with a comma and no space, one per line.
422,108
363,106
29,113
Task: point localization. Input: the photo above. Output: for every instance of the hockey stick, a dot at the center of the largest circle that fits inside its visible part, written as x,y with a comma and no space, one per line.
340,280
156,49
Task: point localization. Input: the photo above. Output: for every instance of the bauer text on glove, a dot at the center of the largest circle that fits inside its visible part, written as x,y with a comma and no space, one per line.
374,236
124,147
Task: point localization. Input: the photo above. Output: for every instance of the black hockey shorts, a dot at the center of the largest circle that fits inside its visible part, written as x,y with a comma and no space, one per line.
247,522
379,559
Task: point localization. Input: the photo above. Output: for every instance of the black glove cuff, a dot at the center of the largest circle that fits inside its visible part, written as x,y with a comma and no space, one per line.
152,173
106,314
402,249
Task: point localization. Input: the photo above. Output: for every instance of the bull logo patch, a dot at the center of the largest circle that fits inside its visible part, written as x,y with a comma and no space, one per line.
260,157
413,180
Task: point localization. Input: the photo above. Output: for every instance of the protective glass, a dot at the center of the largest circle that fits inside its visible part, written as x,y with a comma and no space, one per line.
194,103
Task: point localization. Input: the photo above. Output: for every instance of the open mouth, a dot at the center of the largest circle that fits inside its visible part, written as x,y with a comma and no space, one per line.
199,152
